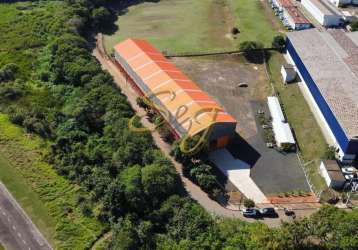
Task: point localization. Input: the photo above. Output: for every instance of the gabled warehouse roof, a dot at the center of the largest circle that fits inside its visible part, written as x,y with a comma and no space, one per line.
190,107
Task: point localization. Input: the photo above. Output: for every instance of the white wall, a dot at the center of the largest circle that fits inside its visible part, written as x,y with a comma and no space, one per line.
325,174
340,2
325,20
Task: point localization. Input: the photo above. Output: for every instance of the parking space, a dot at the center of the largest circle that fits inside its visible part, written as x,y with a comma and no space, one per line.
272,171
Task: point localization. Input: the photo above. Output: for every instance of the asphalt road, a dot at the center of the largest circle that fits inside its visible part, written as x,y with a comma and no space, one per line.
17,232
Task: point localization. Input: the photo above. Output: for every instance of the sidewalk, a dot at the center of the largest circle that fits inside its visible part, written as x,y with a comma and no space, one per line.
238,172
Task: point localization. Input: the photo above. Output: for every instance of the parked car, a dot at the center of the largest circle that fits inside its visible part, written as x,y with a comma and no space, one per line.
265,126
268,212
269,145
349,170
260,112
349,177
251,213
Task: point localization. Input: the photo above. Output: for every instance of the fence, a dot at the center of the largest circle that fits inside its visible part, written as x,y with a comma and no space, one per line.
212,53
303,165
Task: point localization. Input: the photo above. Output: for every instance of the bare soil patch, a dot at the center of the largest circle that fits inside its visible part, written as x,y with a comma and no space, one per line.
220,76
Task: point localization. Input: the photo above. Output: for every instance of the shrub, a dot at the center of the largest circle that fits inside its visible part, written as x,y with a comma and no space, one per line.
249,203
354,26
330,153
235,31
279,43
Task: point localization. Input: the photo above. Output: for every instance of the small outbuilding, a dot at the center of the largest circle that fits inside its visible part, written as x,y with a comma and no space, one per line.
281,129
332,174
288,73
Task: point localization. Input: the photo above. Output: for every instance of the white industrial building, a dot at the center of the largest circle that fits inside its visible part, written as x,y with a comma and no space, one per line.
332,174
343,2
324,12
327,64
281,129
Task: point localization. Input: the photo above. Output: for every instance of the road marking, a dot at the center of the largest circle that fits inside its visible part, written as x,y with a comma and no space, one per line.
18,234
3,213
13,227
8,218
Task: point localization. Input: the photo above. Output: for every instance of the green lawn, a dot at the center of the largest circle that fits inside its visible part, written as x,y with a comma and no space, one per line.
253,22
49,199
173,25
29,200
194,26
309,136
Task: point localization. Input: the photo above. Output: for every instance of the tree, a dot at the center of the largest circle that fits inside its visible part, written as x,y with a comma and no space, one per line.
252,51
247,46
279,43
8,71
100,16
131,180
203,176
159,182
124,235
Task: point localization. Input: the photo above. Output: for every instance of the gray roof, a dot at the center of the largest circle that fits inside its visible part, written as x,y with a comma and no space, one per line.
331,57
333,170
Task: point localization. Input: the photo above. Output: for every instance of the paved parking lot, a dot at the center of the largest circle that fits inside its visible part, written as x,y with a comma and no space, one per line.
272,171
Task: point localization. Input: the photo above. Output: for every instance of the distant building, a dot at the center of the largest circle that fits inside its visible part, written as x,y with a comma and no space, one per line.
332,174
339,3
281,129
327,63
291,15
288,73
324,12
186,108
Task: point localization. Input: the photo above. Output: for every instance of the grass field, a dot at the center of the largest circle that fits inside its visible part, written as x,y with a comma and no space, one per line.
254,22
190,26
49,199
29,200
173,25
309,136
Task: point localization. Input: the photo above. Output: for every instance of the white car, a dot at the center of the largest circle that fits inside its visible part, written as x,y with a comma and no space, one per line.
349,177
349,170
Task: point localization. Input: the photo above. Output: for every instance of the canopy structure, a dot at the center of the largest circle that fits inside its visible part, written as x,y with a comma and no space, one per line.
187,108
281,128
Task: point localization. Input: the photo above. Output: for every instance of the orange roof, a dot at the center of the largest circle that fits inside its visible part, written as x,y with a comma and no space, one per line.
187,102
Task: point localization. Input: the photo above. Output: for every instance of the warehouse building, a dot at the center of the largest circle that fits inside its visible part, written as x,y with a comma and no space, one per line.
327,63
339,3
186,108
324,12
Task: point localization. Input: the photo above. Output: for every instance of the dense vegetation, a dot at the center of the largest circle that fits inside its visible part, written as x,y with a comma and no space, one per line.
51,86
